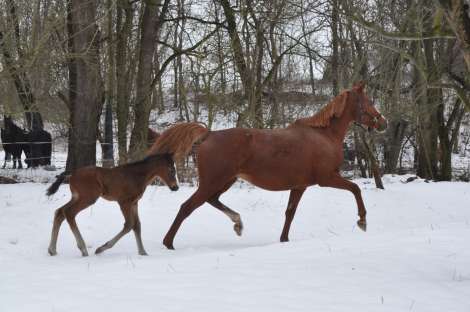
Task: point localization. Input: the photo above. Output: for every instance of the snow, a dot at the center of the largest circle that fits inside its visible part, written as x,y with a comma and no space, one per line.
414,257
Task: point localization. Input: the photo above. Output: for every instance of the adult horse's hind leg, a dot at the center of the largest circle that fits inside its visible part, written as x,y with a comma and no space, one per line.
294,198
59,217
129,217
339,182
233,215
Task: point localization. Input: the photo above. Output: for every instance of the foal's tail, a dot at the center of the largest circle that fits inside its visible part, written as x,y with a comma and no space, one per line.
55,186
179,139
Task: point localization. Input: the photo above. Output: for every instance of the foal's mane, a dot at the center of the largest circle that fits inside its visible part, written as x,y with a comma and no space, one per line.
147,159
322,118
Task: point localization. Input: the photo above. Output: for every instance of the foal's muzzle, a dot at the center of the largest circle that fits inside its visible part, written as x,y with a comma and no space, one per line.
174,188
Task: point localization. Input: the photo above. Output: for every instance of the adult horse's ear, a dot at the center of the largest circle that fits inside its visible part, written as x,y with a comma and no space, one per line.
341,104
359,86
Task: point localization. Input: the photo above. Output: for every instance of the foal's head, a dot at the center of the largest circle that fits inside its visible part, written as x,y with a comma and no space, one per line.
167,171
365,112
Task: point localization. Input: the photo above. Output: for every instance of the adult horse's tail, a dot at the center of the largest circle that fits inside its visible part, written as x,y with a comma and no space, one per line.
55,186
179,139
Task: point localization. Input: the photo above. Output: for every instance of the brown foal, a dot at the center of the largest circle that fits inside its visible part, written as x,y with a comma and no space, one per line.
124,184
308,152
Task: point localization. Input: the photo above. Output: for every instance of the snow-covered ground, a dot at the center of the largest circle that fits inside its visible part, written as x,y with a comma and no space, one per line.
415,255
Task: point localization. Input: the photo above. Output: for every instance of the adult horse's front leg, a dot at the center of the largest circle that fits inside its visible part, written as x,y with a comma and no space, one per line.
339,182
294,198
195,201
233,215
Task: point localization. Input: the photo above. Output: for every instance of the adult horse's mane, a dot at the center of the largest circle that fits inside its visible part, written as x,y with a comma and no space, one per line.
322,119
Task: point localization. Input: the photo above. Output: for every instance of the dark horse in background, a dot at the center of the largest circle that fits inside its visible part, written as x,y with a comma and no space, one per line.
36,145
13,139
308,152
38,150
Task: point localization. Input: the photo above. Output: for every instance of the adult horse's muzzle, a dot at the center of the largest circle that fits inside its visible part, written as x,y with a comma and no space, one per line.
381,124
174,188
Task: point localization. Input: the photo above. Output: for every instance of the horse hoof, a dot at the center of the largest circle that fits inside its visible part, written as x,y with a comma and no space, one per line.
169,246
168,242
238,228
99,250
362,225
143,253
284,239
84,254
52,252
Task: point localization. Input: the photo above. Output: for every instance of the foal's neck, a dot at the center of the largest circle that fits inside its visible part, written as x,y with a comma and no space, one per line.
151,170
147,169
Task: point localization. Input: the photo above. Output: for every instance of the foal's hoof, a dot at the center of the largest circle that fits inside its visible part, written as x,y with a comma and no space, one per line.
238,228
84,253
99,250
284,239
143,253
52,252
362,225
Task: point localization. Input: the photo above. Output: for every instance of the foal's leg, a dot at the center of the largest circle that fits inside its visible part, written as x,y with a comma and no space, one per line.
129,217
339,182
59,217
233,215
294,199
70,215
137,232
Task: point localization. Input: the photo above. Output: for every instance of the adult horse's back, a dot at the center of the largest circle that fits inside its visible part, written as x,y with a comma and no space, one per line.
308,152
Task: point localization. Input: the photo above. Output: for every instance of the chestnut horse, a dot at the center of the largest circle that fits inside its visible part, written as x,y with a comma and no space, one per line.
308,152
124,184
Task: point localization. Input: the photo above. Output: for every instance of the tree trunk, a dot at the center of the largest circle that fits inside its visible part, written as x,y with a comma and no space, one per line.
108,147
374,166
10,44
85,85
335,47
123,30
395,135
150,28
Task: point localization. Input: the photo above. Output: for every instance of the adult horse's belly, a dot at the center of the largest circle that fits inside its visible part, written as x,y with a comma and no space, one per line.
271,184
278,174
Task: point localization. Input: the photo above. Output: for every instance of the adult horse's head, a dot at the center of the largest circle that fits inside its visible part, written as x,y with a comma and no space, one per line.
366,114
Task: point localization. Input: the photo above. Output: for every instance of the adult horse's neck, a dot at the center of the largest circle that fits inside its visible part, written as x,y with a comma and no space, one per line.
338,127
